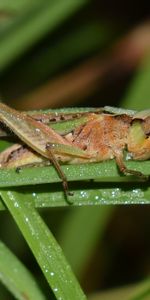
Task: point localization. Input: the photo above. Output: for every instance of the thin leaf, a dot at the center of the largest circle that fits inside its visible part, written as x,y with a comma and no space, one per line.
16,5
140,291
32,25
78,229
109,187
138,94
48,60
44,247
17,279
101,172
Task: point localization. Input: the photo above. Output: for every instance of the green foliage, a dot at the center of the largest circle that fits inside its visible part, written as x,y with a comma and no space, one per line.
16,277
44,247
140,291
108,187
28,26
24,26
138,93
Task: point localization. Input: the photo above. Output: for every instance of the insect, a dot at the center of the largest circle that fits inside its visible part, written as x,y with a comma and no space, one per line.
82,137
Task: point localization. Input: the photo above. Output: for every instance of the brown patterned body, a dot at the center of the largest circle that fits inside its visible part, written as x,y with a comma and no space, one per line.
103,136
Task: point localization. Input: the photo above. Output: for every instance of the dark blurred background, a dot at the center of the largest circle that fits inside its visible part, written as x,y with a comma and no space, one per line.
81,53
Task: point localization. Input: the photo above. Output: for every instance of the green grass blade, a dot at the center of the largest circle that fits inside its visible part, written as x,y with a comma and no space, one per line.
140,291
17,279
102,172
108,186
78,229
94,35
103,194
16,5
25,30
44,247
138,94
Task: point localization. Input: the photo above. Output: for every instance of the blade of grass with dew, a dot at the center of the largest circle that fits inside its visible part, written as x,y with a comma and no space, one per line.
16,278
29,27
99,172
108,186
44,247
43,196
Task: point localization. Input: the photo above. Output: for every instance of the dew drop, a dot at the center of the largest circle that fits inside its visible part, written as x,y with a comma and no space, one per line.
33,194
83,194
37,130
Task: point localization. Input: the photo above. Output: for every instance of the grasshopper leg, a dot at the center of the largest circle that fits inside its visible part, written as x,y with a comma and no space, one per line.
125,170
29,165
60,172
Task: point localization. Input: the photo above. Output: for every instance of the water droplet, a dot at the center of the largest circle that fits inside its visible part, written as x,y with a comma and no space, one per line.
33,194
52,273
55,289
37,129
83,194
16,204
126,202
129,156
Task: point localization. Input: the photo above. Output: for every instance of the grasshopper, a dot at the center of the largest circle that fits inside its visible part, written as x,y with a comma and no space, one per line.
80,137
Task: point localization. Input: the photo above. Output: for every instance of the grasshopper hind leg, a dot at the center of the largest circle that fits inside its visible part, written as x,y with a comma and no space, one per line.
123,169
60,172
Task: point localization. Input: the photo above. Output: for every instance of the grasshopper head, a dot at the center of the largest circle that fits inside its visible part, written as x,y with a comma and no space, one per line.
139,138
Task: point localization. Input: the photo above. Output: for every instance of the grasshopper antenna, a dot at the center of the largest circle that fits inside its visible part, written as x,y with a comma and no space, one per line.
60,172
